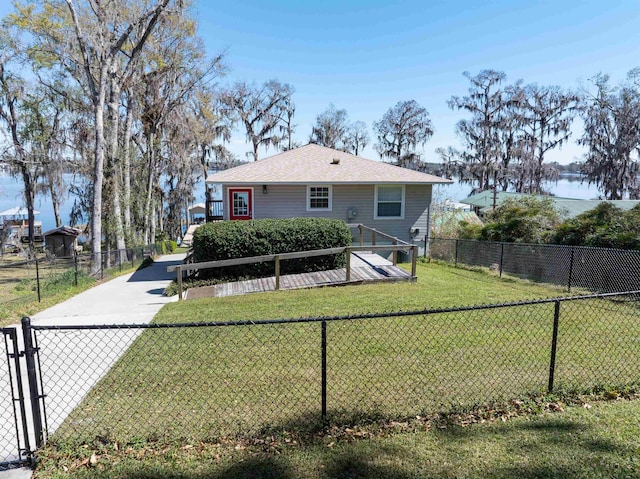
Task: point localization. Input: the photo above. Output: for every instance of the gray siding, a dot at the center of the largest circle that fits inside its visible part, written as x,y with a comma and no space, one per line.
289,201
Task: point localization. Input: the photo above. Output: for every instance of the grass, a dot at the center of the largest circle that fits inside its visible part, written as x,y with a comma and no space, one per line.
211,402
18,286
588,440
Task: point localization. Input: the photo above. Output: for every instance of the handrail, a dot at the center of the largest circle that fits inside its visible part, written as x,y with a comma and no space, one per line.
374,233
179,269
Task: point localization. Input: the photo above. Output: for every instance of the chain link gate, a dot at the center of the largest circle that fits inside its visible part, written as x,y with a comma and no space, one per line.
15,449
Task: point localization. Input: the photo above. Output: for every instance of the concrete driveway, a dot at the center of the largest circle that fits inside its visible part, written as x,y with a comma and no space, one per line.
73,361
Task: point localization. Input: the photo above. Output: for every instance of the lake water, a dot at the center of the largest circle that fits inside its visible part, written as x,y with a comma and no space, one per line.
566,187
11,196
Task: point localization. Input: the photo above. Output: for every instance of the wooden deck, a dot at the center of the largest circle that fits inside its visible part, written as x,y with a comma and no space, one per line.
365,268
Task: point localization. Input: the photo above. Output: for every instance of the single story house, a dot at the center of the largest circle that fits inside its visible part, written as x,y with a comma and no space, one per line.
315,181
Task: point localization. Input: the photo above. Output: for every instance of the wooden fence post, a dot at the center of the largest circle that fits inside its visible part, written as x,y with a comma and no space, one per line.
277,261
179,278
414,260
395,253
348,253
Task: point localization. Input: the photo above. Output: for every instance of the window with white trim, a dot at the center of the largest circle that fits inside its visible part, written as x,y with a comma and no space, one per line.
319,198
389,202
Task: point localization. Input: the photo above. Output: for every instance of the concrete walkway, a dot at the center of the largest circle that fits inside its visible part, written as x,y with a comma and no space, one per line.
134,298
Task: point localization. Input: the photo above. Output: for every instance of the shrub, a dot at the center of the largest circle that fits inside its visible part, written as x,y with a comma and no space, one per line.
605,226
241,239
166,246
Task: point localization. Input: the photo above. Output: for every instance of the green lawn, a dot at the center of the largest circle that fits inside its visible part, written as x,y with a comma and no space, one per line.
205,386
600,440
18,287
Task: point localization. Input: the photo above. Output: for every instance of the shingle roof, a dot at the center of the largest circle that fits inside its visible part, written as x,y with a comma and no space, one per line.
317,164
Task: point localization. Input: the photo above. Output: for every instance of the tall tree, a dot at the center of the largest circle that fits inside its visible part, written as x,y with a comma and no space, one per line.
402,128
261,110
480,134
612,136
287,127
167,89
98,43
12,114
330,128
33,125
546,116
356,137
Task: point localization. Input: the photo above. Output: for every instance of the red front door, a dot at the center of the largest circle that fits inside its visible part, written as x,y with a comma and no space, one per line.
240,203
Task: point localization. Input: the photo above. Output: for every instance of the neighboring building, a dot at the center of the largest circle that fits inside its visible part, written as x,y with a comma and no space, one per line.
16,221
315,181
62,242
483,202
197,213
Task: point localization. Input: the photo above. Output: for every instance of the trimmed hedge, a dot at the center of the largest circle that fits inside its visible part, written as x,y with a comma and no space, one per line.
242,239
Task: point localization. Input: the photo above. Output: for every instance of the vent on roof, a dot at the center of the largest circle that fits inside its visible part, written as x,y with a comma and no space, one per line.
335,161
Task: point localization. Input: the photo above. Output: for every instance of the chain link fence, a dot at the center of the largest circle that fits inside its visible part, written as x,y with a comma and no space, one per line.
14,441
32,280
201,382
591,269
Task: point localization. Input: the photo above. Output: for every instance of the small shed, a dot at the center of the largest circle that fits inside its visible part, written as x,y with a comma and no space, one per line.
62,242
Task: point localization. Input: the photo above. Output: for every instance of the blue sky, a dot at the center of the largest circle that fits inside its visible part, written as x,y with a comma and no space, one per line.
365,56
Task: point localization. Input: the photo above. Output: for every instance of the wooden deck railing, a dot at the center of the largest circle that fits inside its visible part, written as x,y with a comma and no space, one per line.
375,234
181,268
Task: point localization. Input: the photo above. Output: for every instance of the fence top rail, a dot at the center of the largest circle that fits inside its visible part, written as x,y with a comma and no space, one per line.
389,314
539,245
284,256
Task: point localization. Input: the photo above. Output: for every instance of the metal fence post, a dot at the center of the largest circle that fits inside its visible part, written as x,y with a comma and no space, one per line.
554,345
573,250
501,257
456,258
323,353
32,377
38,277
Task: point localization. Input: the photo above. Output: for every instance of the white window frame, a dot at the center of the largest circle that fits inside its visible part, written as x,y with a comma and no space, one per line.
375,204
330,202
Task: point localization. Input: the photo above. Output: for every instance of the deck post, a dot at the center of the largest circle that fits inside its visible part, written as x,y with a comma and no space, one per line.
361,234
348,253
373,237
179,278
277,262
414,260
395,253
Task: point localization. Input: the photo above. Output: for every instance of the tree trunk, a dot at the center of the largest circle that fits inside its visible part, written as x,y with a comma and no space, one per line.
98,174
126,153
29,197
56,206
148,212
114,116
